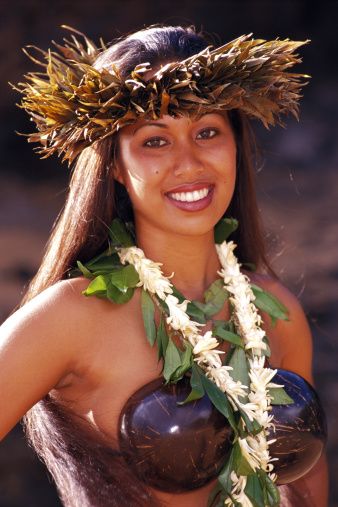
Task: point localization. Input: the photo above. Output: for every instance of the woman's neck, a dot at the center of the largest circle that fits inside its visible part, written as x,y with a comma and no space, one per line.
192,259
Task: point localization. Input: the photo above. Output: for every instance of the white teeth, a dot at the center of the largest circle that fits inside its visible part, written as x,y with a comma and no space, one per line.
196,195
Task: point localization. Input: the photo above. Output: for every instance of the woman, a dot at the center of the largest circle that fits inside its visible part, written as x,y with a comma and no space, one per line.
167,147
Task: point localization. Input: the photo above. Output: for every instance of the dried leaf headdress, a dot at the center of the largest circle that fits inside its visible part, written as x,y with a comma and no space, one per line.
73,104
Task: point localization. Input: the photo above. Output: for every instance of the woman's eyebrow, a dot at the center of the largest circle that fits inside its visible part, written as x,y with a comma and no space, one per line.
151,123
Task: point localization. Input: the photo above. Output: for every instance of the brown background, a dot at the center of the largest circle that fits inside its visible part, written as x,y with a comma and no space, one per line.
297,180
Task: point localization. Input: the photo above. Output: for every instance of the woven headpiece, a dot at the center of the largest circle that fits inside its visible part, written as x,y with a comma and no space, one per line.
73,104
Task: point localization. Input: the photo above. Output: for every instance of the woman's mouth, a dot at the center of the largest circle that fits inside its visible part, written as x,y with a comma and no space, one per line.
192,200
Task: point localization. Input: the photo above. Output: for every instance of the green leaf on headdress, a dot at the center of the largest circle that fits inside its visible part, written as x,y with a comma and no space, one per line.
224,228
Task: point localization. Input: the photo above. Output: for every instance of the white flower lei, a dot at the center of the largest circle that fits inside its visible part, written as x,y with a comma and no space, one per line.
247,322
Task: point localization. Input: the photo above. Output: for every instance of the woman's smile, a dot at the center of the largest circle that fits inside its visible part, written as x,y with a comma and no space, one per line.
193,197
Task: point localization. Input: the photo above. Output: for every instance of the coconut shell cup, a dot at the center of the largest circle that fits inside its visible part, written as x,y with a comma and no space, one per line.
178,448
300,429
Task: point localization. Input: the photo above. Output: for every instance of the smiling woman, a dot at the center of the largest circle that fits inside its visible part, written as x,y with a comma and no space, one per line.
177,165
164,389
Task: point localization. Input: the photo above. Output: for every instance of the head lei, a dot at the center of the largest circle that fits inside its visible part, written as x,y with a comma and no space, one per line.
74,104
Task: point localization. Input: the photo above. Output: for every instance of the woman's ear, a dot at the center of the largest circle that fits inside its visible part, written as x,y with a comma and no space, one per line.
118,172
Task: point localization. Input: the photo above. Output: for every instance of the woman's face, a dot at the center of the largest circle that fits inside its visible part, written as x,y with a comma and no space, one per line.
179,172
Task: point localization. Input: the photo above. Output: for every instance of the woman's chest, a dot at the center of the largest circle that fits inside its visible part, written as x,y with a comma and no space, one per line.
117,362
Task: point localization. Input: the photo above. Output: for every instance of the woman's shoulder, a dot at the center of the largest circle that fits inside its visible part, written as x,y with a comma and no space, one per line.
61,313
293,335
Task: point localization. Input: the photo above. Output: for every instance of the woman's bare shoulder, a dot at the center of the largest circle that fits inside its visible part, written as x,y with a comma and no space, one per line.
294,335
65,301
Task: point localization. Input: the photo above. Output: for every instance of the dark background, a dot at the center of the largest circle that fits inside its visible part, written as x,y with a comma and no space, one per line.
297,178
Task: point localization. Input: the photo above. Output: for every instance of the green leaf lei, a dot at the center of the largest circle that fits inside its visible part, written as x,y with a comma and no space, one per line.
112,280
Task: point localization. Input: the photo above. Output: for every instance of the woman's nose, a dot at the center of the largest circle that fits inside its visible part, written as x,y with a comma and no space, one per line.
188,163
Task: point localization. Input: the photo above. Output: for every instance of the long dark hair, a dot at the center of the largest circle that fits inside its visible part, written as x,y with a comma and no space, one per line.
88,472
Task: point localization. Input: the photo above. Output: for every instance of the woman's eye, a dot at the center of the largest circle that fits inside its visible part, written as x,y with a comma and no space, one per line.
207,133
155,142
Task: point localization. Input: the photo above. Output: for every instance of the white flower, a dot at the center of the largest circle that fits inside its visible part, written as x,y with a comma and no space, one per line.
178,318
249,452
131,255
205,342
151,276
226,383
209,358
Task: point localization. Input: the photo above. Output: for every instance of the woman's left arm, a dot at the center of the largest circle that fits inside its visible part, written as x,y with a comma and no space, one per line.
294,337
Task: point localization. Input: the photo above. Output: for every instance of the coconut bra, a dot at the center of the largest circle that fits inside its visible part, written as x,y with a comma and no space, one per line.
178,448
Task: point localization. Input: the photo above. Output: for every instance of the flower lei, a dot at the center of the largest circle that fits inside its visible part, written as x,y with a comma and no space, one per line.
246,396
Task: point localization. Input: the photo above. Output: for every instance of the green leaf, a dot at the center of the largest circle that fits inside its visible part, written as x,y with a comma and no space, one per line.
186,363
97,258
97,286
269,304
241,465
279,396
270,490
148,314
162,339
228,336
197,389
195,312
224,228
254,491
119,235
240,368
215,297
172,360
106,264
116,295
84,270
252,427
224,476
219,400
214,494
125,278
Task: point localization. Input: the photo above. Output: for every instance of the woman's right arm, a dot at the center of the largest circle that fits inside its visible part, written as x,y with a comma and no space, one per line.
39,346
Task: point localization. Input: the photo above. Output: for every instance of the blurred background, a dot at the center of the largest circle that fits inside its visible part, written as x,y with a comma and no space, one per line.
297,177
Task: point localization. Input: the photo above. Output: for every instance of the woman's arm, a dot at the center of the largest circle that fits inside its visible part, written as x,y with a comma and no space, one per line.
38,348
295,341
